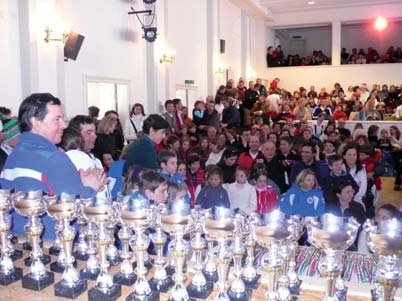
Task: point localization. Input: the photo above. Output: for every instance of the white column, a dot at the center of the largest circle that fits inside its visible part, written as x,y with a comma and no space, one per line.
212,42
336,43
245,43
269,36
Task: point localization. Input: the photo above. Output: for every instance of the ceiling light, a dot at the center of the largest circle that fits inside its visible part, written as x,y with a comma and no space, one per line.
380,23
311,2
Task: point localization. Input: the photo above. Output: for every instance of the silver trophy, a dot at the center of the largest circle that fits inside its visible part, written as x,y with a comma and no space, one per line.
289,252
63,210
238,290
8,272
161,281
136,214
333,235
272,231
81,251
199,287
112,253
219,225
57,245
210,270
57,249
250,276
32,206
100,211
91,271
177,221
385,240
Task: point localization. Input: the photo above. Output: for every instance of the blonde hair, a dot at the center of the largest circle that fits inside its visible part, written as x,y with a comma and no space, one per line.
105,125
302,175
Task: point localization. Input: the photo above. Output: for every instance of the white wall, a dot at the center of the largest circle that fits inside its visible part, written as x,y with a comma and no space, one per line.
325,76
364,36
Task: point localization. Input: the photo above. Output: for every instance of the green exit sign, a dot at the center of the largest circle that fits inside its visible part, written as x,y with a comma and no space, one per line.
189,82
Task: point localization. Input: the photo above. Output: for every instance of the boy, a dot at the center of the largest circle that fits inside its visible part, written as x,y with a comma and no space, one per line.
167,161
151,187
337,175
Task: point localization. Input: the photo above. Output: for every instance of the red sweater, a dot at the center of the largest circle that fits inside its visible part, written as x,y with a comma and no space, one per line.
246,160
267,200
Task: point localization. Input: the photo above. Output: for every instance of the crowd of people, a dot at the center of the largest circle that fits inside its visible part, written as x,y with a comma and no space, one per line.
371,56
246,148
276,58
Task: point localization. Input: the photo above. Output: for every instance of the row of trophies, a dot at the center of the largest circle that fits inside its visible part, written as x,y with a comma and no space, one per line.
223,237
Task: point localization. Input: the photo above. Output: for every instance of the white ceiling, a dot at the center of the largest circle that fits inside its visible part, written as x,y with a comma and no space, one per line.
285,6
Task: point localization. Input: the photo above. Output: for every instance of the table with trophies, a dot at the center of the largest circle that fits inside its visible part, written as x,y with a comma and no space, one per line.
136,251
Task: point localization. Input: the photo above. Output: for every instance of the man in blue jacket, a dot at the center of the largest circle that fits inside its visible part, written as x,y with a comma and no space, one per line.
37,164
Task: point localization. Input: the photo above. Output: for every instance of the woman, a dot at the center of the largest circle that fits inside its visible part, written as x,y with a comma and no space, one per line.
105,141
228,164
133,125
356,170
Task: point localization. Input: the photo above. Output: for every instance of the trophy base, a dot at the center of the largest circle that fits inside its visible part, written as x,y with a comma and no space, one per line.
295,289
55,251
27,246
89,274
58,267
198,292
37,284
153,296
14,239
211,277
124,279
62,289
44,258
12,276
244,296
114,260
94,294
161,286
252,283
17,254
80,256
147,264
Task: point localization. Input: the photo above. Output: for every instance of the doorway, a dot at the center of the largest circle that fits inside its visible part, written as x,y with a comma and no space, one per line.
188,95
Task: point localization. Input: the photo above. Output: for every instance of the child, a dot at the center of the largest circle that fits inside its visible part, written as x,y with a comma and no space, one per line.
267,199
176,192
198,112
337,174
151,187
303,198
241,194
385,145
107,161
328,149
213,194
182,169
167,160
195,175
185,147
216,151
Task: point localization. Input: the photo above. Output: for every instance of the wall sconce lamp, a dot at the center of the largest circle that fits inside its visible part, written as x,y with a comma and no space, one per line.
166,58
49,38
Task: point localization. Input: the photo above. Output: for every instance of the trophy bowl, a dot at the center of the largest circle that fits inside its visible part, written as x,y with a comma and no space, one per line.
100,211
32,205
333,235
385,240
8,272
176,219
64,209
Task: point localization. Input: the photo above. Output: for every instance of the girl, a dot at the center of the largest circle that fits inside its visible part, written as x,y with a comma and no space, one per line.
185,147
267,199
241,193
303,198
176,192
213,194
133,125
182,169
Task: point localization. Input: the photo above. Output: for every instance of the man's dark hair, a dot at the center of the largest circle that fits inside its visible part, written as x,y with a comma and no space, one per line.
169,101
71,140
289,139
309,144
93,112
150,180
155,122
192,159
79,120
34,106
5,111
342,184
165,155
176,101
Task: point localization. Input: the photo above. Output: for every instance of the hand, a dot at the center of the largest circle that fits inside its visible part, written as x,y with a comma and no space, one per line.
259,161
224,125
94,178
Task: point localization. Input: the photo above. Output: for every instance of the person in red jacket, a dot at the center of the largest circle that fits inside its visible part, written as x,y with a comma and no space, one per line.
195,175
248,158
267,199
339,114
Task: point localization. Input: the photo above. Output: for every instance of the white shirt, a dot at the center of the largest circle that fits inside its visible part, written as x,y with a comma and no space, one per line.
242,196
273,100
129,132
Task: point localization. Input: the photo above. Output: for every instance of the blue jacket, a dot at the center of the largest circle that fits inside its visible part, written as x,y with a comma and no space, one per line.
37,164
304,203
213,196
142,152
115,175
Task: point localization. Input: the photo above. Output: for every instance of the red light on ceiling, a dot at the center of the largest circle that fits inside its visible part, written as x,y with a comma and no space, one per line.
380,23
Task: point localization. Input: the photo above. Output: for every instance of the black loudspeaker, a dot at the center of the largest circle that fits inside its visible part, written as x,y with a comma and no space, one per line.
73,45
222,45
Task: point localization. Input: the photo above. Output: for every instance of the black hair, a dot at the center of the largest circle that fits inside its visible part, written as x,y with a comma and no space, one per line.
150,180
342,184
71,140
35,106
5,111
309,144
155,122
334,158
192,159
165,155
391,209
169,101
79,120
137,105
93,111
